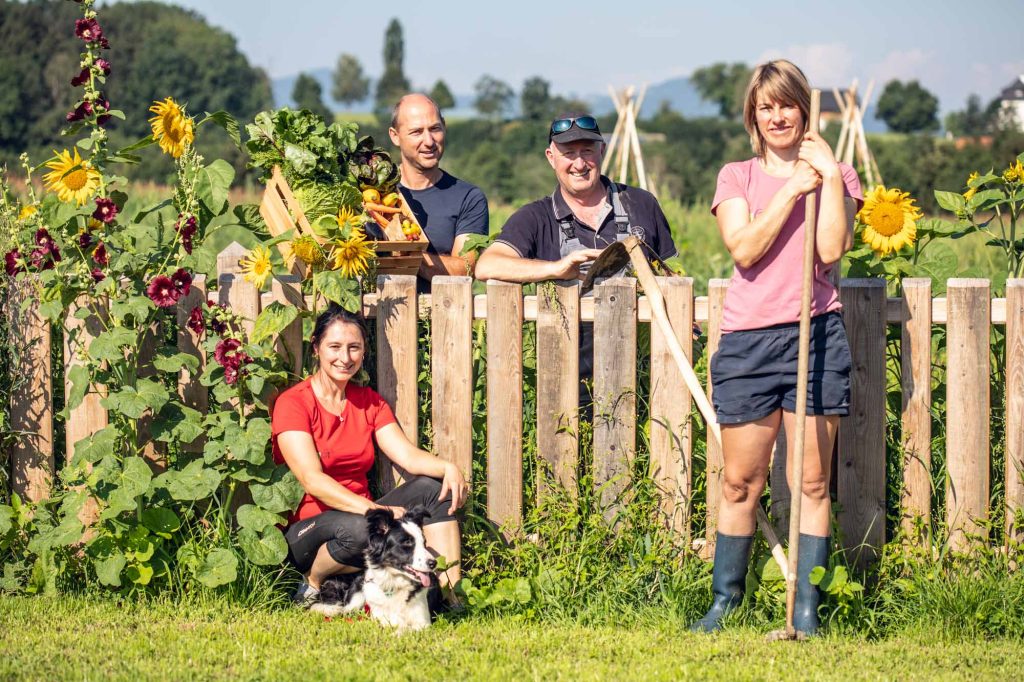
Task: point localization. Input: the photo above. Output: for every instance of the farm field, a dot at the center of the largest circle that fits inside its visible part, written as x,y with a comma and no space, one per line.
89,639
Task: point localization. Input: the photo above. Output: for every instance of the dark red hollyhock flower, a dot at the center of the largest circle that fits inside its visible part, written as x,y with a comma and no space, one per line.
224,350
106,210
182,280
162,292
44,240
195,320
186,227
80,79
43,259
84,241
104,104
81,112
100,255
103,65
230,375
11,262
88,30
97,275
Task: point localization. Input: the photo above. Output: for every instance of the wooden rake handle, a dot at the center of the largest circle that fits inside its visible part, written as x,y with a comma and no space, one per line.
658,311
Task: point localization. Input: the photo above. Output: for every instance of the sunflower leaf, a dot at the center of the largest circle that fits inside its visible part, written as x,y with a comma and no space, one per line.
227,122
273,320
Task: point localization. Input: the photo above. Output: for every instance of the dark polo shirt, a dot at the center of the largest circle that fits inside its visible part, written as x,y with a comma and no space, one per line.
533,230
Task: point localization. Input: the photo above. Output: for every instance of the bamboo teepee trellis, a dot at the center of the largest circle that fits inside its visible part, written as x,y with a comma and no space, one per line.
852,140
624,145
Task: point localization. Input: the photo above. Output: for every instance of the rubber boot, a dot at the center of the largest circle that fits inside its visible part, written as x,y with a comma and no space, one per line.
813,552
728,580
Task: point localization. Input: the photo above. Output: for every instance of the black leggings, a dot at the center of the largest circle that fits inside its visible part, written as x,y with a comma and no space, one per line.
345,532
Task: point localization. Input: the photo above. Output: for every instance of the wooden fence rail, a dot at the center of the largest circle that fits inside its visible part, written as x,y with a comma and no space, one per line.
615,311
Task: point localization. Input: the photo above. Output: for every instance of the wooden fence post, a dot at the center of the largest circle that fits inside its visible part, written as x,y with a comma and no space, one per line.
671,439
242,297
861,475
558,369
715,466
397,345
32,464
614,389
505,404
967,410
1014,408
451,363
916,366
89,417
192,392
287,289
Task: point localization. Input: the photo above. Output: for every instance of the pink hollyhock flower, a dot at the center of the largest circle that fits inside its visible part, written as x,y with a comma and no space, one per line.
80,79
88,30
103,65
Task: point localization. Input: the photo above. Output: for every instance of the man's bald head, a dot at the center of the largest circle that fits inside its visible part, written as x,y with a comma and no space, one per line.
414,102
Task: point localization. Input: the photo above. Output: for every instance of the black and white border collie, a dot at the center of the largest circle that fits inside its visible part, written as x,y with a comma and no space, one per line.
399,574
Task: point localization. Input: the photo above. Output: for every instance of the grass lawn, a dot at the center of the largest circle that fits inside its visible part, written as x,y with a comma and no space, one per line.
76,638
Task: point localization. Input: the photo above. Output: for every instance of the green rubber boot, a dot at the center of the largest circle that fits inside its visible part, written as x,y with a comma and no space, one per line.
728,580
813,552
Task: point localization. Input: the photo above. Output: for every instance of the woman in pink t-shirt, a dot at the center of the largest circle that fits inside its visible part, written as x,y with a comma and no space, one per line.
759,204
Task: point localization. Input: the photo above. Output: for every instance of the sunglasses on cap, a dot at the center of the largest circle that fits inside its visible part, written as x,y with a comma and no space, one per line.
583,122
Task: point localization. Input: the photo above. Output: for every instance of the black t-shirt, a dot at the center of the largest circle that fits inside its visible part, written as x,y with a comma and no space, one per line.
449,208
533,230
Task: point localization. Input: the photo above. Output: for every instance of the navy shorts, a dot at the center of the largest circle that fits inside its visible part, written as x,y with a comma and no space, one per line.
753,374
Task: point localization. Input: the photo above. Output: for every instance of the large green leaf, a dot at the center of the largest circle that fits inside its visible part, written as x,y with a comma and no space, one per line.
219,567
97,446
253,446
177,423
227,122
213,183
137,307
339,289
135,476
7,514
195,482
140,574
282,494
161,521
78,375
951,201
108,569
273,320
265,548
133,402
107,345
252,517
176,362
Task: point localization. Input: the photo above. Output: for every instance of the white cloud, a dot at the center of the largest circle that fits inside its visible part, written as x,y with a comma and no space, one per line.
826,64
905,65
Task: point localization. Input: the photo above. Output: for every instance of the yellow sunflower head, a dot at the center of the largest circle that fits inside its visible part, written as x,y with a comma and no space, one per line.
1015,173
256,267
71,178
347,218
309,251
352,256
889,217
971,190
172,129
27,211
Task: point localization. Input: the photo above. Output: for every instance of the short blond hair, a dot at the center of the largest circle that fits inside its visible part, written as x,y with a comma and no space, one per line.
780,81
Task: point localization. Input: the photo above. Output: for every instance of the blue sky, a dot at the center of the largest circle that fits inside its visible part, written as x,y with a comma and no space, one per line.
953,48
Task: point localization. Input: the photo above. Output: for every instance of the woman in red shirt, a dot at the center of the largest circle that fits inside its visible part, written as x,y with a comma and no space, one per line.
324,429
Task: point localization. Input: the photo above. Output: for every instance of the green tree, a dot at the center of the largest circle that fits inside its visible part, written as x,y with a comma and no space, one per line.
308,94
493,96
349,84
974,119
393,83
442,96
535,99
723,84
907,107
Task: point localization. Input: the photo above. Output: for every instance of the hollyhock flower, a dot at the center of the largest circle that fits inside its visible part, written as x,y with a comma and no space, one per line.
226,348
195,320
104,104
81,112
84,241
44,240
230,375
186,227
97,275
100,255
11,264
80,79
103,65
183,280
106,210
162,292
88,30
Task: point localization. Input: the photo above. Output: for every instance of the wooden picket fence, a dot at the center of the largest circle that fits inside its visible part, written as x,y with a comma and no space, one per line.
967,311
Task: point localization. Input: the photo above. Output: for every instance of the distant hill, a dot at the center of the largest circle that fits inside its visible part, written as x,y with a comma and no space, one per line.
680,94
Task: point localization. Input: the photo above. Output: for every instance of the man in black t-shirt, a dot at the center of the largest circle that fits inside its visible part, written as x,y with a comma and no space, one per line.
557,236
448,209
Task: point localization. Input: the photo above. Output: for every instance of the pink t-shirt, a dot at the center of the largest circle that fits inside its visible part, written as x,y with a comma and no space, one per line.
768,292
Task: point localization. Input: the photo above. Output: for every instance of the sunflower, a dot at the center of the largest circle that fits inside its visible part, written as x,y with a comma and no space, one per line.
172,129
71,178
256,266
1015,173
971,190
352,256
890,220
348,218
309,251
27,211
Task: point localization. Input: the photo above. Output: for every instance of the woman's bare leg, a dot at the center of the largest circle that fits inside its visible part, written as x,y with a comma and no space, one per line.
445,540
819,438
748,450
324,566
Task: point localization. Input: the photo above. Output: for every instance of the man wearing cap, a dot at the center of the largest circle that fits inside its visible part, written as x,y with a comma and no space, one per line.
556,237
447,208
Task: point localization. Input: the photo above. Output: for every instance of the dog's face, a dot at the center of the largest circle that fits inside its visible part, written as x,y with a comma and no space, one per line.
398,547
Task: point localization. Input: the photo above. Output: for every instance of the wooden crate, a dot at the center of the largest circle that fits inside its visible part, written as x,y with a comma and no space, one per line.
282,212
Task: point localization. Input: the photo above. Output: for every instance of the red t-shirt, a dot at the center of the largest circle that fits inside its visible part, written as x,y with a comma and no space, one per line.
344,442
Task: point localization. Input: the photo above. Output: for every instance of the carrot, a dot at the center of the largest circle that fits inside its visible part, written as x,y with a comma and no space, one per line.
381,208
381,220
